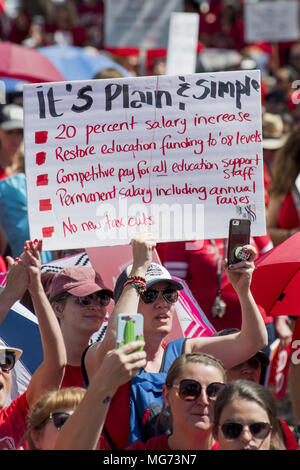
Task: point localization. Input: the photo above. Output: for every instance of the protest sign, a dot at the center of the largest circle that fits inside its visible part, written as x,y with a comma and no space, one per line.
182,43
271,21
138,23
174,155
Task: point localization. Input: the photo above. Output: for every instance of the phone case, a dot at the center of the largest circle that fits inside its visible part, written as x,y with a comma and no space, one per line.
129,328
239,235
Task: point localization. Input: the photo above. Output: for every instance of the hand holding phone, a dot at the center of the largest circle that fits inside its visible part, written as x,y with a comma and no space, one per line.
130,327
239,236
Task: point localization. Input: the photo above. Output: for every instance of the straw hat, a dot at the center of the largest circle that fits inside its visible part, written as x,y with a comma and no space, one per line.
4,347
273,131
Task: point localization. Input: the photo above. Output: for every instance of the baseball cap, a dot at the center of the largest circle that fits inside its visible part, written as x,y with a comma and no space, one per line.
77,280
4,348
155,273
261,356
11,117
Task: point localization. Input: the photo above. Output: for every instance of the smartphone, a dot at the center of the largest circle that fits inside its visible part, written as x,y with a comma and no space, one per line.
130,327
239,235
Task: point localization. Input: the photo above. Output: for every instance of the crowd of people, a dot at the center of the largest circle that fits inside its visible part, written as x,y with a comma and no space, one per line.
203,393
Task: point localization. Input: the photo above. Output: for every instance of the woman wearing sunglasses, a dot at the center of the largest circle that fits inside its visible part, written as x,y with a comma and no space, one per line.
49,415
53,410
149,289
191,389
192,385
80,301
245,418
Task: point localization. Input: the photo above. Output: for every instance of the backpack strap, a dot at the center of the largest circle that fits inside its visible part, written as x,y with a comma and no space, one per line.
83,369
173,349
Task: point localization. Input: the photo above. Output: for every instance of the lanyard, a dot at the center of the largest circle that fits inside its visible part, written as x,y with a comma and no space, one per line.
220,267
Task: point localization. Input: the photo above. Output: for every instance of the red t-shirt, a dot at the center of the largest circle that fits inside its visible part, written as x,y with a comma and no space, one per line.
288,216
3,175
117,420
73,377
158,443
13,423
289,438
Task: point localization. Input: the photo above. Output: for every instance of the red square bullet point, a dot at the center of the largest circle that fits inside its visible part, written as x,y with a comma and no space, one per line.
40,158
41,137
47,232
45,205
42,180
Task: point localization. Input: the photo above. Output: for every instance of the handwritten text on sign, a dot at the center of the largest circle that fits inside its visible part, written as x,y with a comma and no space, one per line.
176,155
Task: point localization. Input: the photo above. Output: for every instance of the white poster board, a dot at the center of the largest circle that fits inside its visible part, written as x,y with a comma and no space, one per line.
174,155
274,21
138,23
182,43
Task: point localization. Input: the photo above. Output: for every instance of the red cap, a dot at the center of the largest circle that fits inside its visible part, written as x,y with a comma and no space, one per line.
77,280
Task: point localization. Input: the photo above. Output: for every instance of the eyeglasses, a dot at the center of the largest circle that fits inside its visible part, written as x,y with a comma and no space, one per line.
150,295
190,390
259,430
59,418
10,360
102,297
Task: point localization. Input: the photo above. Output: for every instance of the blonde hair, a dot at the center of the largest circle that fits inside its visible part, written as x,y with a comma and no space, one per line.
50,402
177,370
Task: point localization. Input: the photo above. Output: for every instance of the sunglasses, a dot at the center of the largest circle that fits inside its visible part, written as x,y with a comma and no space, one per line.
10,360
259,430
190,390
102,297
59,418
150,295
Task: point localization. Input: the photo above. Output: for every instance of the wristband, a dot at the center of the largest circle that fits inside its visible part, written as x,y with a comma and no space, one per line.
138,284
137,278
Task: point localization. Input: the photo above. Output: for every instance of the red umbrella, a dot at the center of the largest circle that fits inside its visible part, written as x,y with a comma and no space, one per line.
276,280
26,64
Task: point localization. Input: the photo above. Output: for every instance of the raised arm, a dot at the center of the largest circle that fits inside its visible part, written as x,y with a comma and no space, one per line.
142,248
236,348
50,373
83,429
16,285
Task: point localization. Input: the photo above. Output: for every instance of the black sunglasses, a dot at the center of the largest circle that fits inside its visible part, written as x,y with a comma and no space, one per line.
10,360
102,297
259,430
59,418
168,294
190,390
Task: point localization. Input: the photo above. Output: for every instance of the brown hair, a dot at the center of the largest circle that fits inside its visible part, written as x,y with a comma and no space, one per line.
250,391
286,165
50,402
